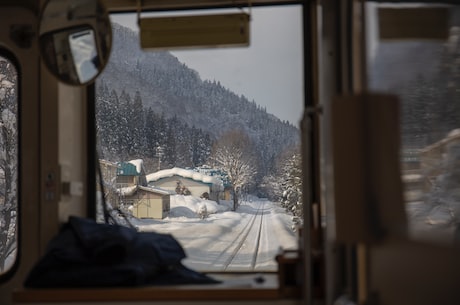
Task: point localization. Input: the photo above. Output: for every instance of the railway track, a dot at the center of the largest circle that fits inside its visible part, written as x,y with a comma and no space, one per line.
241,241
243,251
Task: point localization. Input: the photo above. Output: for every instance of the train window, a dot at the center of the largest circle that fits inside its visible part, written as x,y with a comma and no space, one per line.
204,144
421,64
8,162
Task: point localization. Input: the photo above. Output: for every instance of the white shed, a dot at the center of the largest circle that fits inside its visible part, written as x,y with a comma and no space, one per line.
148,202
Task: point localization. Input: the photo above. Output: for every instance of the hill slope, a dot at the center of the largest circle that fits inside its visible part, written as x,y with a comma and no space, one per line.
173,90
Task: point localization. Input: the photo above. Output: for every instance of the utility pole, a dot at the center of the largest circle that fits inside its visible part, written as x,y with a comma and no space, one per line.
159,153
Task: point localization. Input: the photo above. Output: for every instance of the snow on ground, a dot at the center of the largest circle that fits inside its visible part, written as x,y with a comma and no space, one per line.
206,240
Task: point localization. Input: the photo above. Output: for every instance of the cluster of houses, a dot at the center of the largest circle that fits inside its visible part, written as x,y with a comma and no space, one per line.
422,167
149,195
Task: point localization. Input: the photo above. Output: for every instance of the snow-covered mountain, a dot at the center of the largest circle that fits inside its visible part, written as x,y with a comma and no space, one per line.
172,90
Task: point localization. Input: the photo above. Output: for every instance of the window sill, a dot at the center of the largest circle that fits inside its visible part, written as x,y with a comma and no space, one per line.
234,287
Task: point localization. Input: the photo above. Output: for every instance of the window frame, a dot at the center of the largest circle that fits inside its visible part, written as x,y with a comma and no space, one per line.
311,150
309,101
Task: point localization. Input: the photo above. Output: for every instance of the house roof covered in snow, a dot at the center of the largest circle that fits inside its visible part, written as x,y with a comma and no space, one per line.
130,168
157,190
452,137
131,190
186,173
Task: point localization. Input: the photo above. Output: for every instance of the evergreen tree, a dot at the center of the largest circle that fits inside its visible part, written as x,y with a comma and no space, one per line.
151,133
124,131
291,185
284,183
137,128
169,144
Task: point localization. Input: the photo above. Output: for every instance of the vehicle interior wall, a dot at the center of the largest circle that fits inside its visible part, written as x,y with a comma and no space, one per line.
393,270
64,150
63,157
421,266
73,146
52,118
403,271
334,80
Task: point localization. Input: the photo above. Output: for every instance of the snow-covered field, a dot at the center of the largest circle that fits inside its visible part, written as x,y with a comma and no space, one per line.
246,239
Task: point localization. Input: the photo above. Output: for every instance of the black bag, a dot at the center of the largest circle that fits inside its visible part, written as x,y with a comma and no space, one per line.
90,254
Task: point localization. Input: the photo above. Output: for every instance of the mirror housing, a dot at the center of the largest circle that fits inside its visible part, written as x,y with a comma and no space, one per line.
75,39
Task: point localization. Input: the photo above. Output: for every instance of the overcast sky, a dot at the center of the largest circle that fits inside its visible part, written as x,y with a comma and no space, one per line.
270,71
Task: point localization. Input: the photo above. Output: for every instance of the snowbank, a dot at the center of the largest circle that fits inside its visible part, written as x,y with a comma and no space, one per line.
210,242
189,206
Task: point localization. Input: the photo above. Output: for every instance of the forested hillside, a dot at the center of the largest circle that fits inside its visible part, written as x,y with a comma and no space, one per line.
151,104
424,74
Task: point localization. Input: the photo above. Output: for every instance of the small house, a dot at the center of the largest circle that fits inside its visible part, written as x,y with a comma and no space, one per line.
147,202
440,157
133,192
108,170
130,173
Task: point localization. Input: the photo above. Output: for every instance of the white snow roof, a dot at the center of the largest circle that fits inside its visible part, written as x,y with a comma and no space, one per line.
127,191
131,190
138,163
186,173
454,133
451,136
156,190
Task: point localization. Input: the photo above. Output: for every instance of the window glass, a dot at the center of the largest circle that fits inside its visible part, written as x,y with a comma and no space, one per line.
204,144
423,69
8,163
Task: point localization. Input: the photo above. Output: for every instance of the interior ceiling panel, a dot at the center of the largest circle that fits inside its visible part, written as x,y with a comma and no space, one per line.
161,5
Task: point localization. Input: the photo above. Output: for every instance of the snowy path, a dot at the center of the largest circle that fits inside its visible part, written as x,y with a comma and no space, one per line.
245,240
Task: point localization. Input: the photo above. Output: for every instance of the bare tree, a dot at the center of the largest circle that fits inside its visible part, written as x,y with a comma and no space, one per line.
234,153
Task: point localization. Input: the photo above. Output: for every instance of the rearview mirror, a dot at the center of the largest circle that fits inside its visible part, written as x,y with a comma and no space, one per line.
75,39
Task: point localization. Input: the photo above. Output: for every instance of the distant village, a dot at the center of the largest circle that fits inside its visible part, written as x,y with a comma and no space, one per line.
426,170
127,186
148,195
